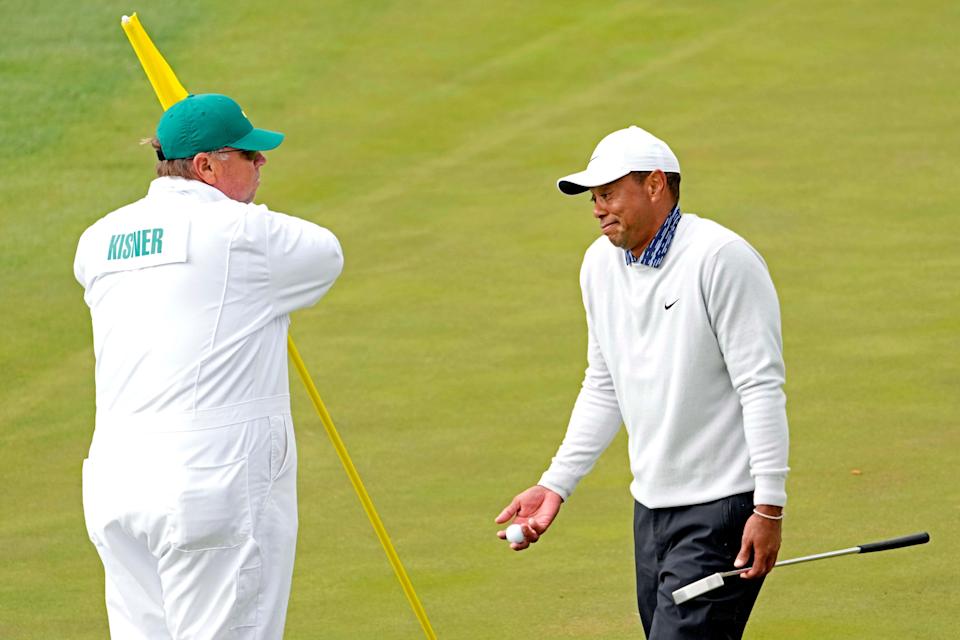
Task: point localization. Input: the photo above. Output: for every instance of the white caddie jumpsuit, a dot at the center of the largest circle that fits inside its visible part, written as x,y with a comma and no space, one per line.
189,490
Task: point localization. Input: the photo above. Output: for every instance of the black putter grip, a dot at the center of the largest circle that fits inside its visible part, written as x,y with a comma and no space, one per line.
895,543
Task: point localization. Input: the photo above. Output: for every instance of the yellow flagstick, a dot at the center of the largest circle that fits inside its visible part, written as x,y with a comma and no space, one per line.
392,556
169,91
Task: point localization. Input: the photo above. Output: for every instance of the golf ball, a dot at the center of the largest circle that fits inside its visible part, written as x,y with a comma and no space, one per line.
515,534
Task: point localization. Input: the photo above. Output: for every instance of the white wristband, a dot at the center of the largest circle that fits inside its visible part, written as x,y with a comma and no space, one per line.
768,517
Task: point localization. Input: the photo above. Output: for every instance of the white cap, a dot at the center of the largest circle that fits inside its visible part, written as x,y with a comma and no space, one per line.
623,151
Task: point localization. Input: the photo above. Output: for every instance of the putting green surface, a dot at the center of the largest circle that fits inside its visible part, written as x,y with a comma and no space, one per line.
428,136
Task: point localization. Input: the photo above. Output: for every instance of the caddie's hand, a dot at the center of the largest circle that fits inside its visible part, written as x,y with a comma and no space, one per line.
534,510
761,542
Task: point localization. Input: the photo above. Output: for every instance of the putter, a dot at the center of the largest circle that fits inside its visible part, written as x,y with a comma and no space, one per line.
715,581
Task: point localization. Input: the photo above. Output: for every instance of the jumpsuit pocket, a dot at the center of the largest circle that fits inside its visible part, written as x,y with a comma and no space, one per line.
212,507
283,448
248,595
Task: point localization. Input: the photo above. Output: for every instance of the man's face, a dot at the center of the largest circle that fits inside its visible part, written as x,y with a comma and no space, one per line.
237,174
625,211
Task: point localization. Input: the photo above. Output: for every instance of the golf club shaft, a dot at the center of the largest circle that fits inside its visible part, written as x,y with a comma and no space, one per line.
870,547
784,563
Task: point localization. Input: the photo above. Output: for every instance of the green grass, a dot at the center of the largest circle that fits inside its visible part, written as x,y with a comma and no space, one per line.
428,135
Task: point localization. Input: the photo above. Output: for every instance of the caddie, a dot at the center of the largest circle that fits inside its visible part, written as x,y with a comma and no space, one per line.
683,348
189,489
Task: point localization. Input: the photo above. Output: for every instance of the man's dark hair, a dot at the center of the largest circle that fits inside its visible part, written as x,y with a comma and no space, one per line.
673,182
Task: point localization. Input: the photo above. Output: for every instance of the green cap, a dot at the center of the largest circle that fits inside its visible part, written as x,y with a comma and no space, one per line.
207,122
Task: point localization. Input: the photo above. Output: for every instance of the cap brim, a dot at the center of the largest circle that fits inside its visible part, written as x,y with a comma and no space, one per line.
579,182
258,140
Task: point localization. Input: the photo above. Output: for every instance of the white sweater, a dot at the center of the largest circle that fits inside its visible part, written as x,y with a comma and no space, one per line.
689,357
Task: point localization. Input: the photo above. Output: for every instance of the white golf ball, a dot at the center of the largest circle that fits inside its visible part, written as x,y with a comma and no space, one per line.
515,534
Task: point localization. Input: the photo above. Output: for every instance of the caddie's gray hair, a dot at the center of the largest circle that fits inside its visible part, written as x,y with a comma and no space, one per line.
179,167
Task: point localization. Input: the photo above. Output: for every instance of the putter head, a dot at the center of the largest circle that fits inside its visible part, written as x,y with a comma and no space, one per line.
698,588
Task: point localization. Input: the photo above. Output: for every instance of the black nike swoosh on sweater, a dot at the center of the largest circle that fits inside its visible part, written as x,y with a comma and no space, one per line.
667,306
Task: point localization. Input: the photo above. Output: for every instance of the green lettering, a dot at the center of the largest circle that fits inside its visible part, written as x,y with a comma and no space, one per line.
139,243
158,240
114,252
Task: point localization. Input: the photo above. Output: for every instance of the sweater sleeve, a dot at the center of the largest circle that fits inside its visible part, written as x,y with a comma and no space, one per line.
745,314
594,422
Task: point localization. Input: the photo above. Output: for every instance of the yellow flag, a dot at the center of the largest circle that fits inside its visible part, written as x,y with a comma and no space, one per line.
169,91
161,76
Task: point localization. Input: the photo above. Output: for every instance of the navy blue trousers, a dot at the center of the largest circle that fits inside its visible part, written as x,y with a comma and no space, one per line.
678,545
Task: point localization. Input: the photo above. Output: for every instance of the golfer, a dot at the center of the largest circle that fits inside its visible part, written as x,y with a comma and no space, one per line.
683,348
189,490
